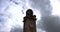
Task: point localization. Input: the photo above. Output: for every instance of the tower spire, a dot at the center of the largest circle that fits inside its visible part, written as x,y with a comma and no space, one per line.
29,22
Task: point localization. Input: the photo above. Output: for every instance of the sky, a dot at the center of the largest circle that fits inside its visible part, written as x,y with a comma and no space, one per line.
46,11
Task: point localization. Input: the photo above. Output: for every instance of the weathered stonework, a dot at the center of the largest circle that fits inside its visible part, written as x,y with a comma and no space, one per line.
29,22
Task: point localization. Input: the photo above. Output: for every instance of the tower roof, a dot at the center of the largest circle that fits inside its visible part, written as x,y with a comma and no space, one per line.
29,12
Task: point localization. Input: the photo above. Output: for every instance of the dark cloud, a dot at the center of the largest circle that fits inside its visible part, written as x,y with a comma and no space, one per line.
48,22
51,23
16,29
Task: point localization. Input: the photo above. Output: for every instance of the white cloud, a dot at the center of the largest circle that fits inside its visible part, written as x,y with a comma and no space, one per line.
55,7
16,16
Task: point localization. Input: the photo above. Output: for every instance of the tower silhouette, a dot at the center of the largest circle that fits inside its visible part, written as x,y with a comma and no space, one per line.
29,22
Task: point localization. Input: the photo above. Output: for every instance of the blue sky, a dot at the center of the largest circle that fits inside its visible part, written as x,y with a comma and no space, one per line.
13,11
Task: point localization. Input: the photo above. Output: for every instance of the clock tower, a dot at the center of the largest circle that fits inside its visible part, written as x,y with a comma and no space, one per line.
29,22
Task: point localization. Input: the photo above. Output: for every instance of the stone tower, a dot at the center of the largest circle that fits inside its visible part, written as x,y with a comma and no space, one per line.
29,22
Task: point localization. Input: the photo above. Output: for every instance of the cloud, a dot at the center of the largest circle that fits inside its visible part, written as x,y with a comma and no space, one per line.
51,23
42,5
16,29
3,23
48,22
7,17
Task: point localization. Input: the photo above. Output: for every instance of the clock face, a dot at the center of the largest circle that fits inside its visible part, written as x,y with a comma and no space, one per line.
31,25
